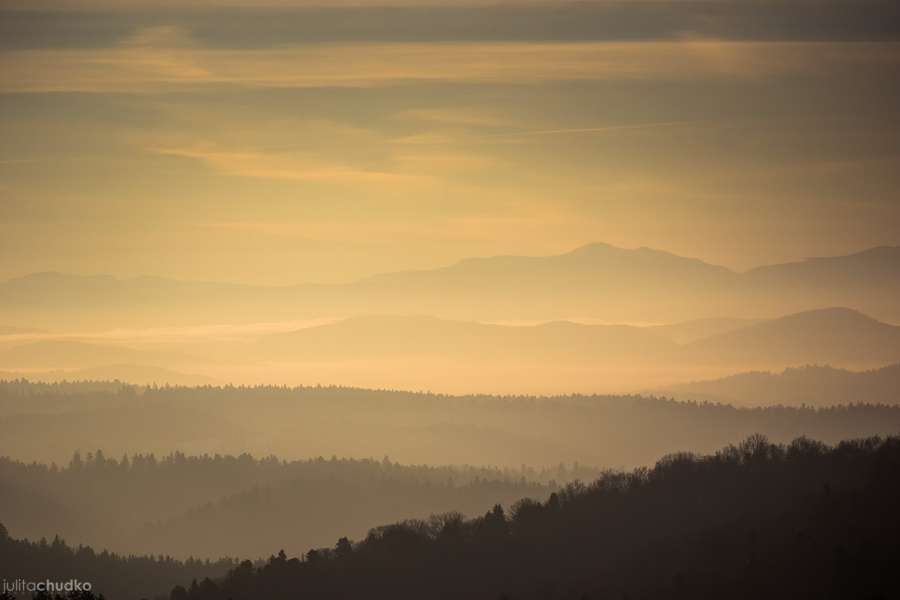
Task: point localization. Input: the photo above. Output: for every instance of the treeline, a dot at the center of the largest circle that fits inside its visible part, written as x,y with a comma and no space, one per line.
46,424
212,504
27,388
117,577
20,396
757,520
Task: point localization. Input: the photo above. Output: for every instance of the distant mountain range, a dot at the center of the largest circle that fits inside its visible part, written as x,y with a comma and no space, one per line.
595,281
834,335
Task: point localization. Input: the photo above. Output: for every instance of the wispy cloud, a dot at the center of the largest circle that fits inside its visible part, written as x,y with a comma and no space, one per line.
286,167
516,134
606,129
466,117
163,59
279,22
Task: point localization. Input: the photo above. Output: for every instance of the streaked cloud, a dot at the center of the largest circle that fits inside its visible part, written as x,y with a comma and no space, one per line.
337,141
158,61
286,167
471,117
271,23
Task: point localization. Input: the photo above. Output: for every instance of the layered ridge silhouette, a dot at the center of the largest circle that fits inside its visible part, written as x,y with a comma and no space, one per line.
429,353
47,422
598,281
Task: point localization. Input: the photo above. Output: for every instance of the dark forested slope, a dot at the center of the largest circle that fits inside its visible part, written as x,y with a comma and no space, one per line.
753,521
115,576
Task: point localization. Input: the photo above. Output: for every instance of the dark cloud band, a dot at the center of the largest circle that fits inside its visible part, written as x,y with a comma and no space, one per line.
834,20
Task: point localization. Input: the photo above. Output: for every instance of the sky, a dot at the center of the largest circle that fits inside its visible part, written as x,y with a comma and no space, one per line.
291,141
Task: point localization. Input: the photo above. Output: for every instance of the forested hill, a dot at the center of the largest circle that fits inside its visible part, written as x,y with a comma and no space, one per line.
756,520
208,506
809,386
117,577
46,423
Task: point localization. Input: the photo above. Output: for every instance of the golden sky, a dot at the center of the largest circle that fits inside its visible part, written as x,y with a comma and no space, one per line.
285,142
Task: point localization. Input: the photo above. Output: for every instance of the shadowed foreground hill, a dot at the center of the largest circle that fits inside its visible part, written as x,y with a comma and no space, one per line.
753,521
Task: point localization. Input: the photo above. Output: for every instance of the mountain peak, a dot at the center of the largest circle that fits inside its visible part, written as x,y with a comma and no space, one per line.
592,248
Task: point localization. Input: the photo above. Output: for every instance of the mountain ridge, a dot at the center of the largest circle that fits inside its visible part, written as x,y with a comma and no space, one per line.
588,249
592,281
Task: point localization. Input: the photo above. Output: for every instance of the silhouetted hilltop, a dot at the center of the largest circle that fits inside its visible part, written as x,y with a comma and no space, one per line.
591,267
810,386
833,335
752,521
861,270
